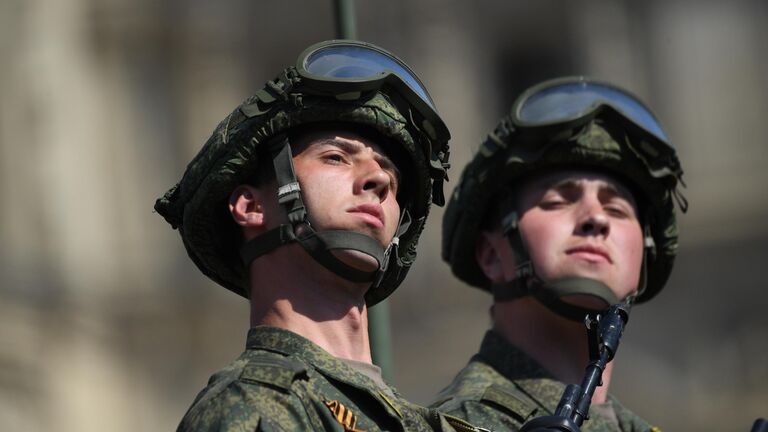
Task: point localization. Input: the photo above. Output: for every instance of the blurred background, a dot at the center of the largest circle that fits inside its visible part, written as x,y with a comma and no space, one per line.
105,324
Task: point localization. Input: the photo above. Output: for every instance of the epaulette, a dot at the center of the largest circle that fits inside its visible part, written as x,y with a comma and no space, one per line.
274,371
514,405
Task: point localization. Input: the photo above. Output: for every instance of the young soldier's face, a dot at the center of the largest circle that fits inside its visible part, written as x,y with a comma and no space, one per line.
348,183
575,224
580,223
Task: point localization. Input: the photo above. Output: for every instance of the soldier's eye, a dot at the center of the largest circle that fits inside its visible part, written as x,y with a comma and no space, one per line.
333,158
619,209
552,201
552,204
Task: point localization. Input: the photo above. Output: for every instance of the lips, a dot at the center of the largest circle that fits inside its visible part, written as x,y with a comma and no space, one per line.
371,213
590,253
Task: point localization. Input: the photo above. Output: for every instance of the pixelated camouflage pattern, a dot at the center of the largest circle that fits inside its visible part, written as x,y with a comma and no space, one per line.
284,382
501,388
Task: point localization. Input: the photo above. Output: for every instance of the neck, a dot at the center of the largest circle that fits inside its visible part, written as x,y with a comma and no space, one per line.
289,290
556,343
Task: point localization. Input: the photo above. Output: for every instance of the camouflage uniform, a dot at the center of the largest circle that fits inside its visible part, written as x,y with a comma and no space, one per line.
502,387
571,123
284,382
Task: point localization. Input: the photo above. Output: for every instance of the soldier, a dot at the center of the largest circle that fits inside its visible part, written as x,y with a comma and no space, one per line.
308,199
566,208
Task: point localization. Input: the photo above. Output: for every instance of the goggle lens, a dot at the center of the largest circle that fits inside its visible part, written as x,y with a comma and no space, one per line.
569,101
360,63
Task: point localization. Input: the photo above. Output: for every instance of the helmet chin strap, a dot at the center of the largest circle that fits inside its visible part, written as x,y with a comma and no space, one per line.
319,245
553,294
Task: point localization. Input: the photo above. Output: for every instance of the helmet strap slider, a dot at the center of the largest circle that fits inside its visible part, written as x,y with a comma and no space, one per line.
648,242
510,223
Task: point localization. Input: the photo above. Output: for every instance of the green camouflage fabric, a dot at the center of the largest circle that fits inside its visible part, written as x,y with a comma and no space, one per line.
502,387
284,382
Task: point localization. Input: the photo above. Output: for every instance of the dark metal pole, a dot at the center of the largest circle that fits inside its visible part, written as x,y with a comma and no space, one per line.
378,316
381,338
345,19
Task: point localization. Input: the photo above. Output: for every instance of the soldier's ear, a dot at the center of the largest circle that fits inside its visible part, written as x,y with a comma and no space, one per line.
488,257
246,204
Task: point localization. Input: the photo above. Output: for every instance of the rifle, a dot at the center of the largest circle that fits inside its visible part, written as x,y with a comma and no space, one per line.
760,425
603,333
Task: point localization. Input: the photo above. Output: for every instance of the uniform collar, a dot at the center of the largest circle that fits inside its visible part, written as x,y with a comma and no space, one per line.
524,372
527,375
287,343
509,360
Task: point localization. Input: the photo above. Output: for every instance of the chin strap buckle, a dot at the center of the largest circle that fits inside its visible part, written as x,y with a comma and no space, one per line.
384,265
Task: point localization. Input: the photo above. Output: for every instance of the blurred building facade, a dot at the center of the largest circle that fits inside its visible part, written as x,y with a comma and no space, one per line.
104,322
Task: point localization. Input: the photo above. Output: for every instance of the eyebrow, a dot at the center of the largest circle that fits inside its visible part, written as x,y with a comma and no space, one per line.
383,160
615,190
573,184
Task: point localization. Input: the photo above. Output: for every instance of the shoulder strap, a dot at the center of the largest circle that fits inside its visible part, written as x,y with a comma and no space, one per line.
512,404
287,374
278,372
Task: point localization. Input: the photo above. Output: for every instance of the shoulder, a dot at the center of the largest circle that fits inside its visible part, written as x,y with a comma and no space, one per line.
484,397
629,421
258,390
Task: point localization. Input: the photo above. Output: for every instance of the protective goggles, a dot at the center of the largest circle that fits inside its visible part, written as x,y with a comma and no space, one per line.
548,108
346,68
567,100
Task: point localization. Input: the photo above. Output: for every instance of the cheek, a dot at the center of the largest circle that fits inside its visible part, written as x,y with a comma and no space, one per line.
543,233
318,182
320,192
391,214
630,241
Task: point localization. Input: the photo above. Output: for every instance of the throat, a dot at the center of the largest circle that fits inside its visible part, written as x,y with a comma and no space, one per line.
558,344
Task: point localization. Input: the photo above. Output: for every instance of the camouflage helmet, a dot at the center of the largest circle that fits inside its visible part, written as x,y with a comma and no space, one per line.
356,84
566,123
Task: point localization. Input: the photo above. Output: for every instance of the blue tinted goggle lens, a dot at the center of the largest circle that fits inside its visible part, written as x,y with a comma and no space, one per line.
360,63
570,101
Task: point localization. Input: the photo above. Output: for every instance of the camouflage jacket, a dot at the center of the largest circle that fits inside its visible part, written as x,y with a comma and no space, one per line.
501,388
284,382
